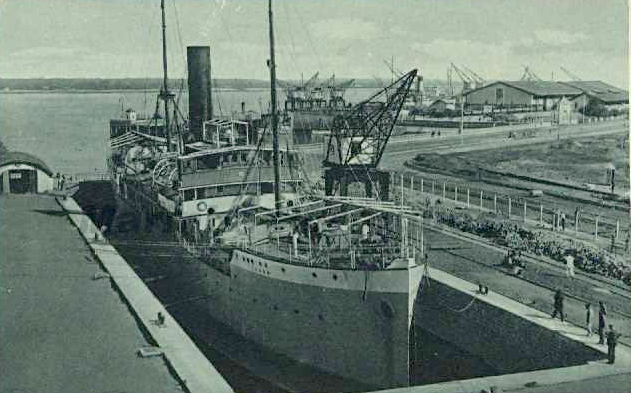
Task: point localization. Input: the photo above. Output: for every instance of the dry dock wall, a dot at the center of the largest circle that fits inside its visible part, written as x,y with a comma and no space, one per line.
506,341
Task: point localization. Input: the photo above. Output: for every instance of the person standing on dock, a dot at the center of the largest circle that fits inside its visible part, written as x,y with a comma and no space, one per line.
569,266
602,321
588,319
558,305
612,340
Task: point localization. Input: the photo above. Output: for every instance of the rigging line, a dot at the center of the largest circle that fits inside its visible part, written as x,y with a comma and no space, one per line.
302,23
179,36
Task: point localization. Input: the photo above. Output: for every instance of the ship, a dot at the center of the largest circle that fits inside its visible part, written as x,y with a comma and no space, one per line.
324,278
312,105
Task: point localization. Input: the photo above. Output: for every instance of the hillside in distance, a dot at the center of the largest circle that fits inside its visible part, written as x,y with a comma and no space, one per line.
97,84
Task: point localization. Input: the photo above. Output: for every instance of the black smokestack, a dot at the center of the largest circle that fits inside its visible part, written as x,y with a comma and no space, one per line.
200,105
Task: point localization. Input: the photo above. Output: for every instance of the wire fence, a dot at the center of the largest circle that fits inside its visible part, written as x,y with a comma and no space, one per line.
580,224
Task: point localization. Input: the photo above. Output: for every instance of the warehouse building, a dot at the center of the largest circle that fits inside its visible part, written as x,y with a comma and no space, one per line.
603,93
532,95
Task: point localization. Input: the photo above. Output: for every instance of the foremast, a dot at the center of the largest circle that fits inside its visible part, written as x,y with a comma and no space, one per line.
274,115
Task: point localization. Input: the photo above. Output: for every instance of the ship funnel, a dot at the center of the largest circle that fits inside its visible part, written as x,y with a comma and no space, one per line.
200,106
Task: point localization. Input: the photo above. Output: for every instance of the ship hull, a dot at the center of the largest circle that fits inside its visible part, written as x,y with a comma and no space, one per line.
355,325
351,323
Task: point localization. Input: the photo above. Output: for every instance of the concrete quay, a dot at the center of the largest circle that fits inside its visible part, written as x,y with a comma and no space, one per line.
576,378
62,329
194,371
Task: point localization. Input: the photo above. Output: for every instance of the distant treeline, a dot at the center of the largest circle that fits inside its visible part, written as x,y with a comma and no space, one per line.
149,84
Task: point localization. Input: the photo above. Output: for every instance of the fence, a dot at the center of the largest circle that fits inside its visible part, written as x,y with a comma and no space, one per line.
532,210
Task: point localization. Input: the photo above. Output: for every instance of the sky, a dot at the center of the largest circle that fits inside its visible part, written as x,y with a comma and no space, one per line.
351,38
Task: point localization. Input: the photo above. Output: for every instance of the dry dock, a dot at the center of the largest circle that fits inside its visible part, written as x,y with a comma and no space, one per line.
67,327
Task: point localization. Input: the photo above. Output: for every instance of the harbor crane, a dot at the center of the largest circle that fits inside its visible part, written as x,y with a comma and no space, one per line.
336,91
417,93
529,75
570,74
468,82
477,78
358,140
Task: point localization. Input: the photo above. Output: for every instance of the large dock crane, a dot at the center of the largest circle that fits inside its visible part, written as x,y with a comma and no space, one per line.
358,140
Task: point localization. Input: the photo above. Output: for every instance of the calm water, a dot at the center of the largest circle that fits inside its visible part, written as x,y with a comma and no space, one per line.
70,131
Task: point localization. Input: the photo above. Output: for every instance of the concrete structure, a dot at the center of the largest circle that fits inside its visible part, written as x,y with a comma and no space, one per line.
538,95
610,96
64,328
24,173
179,351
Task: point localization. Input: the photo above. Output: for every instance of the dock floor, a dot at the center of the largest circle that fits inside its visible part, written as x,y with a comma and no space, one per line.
61,330
186,360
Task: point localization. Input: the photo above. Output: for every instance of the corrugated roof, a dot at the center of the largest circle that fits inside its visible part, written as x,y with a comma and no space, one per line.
16,157
602,91
544,88
538,88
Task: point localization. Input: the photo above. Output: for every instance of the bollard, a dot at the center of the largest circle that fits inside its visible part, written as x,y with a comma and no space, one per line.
456,194
596,232
468,204
495,203
444,191
480,200
541,214
509,207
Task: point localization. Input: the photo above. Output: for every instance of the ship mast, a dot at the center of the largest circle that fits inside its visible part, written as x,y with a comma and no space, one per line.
164,94
274,115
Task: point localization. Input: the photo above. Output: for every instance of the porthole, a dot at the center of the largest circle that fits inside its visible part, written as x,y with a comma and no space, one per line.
296,311
260,264
335,276
314,275
265,264
282,269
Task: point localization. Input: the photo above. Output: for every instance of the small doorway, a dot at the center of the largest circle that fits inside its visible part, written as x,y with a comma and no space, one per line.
22,181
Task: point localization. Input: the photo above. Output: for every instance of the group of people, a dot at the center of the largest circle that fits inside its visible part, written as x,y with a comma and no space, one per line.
610,336
59,182
584,257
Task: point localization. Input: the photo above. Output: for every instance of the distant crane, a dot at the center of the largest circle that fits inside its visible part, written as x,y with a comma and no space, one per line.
529,75
416,95
468,82
477,78
571,75
298,95
336,92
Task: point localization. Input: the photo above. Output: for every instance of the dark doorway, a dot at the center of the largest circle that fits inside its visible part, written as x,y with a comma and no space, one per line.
22,181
